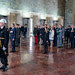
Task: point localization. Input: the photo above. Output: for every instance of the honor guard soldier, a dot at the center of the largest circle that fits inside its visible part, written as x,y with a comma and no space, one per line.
3,45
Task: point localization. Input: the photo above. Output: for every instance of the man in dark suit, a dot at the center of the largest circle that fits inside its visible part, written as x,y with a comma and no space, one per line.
72,32
46,37
55,35
12,36
68,34
17,41
3,45
25,31
38,33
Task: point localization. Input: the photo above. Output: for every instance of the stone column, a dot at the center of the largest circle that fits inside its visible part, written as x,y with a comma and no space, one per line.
36,20
31,27
73,17
19,19
13,18
61,21
49,21
9,21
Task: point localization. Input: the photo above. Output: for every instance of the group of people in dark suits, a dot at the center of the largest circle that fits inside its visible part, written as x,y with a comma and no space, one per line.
60,33
70,35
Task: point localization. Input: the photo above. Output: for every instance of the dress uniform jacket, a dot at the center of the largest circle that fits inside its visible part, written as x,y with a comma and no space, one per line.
3,37
3,42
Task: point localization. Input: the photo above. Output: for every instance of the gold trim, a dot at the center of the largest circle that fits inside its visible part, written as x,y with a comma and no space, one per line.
1,38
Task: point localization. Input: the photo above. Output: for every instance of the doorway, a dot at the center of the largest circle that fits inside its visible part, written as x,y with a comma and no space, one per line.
26,23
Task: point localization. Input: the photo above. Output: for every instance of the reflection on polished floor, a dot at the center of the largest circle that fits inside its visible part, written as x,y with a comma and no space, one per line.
30,60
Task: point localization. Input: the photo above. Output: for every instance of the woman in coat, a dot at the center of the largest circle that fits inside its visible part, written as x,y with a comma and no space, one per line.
35,32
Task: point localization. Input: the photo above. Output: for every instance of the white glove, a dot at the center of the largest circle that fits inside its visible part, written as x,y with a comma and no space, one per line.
4,48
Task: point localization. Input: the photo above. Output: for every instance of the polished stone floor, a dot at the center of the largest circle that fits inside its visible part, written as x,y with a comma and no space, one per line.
30,60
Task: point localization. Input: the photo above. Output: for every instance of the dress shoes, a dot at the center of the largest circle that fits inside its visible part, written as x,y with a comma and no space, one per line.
59,47
12,51
1,67
5,69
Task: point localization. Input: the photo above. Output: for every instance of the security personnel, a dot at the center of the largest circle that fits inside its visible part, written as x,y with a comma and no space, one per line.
3,45
12,36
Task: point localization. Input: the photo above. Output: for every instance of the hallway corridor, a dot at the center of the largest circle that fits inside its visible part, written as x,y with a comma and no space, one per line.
30,60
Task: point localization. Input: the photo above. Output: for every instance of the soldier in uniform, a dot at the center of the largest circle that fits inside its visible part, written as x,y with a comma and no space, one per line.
3,45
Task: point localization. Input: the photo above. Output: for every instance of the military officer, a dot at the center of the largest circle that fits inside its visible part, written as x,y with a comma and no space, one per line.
3,45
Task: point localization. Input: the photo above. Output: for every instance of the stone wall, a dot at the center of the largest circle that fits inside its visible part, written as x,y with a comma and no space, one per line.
68,12
61,8
42,7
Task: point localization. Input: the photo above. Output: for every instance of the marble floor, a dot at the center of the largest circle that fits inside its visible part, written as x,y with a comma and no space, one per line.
30,60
